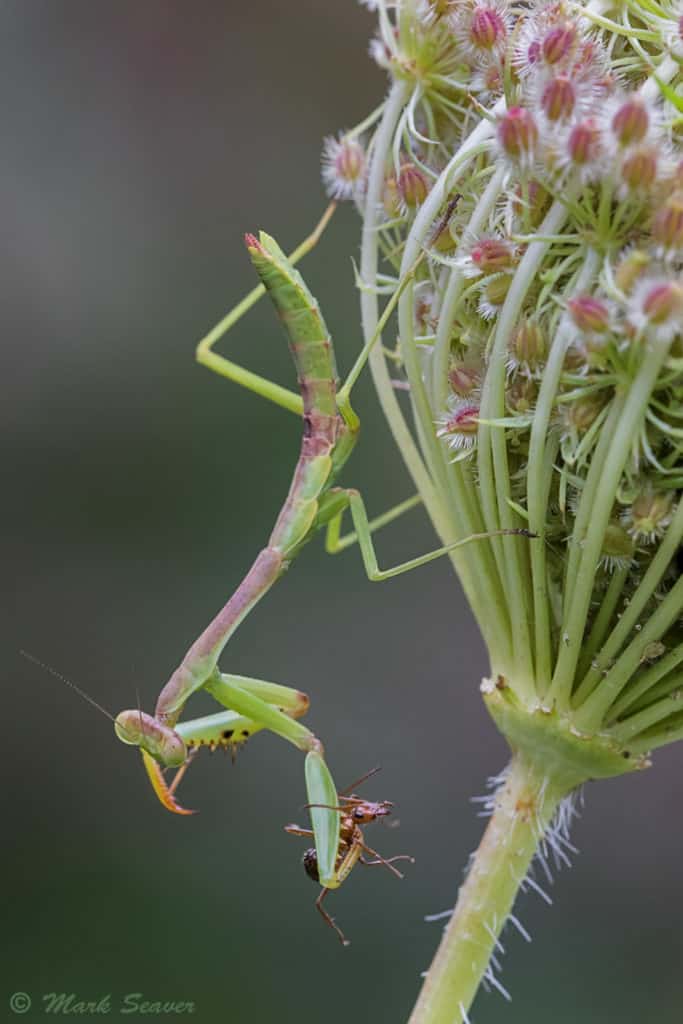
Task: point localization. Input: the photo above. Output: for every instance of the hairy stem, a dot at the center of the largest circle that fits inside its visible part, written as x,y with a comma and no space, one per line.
523,808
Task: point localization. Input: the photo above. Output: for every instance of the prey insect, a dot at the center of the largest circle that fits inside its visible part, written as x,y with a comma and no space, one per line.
354,814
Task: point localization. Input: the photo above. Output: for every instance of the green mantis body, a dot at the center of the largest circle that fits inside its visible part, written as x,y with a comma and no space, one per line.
330,433
327,442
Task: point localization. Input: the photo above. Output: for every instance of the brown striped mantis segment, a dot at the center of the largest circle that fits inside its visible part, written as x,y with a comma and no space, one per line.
313,503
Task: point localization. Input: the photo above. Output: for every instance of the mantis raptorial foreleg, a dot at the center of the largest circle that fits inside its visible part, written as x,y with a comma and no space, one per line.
255,705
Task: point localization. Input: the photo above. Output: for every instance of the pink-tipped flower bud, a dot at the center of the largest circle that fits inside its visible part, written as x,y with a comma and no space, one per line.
630,268
590,315
631,121
649,514
663,303
462,379
533,52
639,169
589,63
558,99
559,42
574,359
584,143
487,28
667,223
459,427
492,78
343,163
464,420
532,199
497,288
521,394
443,240
437,9
492,254
518,133
528,346
412,186
583,412
423,302
617,547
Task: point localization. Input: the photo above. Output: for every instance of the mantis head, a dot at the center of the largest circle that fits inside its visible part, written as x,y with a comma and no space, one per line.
142,730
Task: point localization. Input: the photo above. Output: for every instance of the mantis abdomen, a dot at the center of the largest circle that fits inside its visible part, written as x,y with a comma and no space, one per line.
313,355
311,349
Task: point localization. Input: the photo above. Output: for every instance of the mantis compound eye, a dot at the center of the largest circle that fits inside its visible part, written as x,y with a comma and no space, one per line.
142,730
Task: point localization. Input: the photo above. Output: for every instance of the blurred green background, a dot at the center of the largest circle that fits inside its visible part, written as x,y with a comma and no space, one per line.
140,140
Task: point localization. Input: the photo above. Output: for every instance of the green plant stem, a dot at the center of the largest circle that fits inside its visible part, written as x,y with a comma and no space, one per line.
539,479
665,688
442,521
591,713
648,717
492,448
635,403
608,606
524,806
369,311
456,498
629,619
641,685
463,492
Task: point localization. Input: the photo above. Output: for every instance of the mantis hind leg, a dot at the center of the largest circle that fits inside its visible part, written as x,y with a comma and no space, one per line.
225,367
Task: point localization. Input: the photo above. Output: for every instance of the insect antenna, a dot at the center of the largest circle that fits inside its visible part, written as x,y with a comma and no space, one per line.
58,675
349,789
81,693
326,807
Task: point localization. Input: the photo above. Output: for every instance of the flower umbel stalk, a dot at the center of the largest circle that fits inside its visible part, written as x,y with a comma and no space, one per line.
531,152
524,805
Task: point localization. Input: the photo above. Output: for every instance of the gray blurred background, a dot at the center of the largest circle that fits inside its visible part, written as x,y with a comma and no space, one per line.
140,140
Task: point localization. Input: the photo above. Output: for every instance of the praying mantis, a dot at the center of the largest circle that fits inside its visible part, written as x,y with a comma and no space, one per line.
313,503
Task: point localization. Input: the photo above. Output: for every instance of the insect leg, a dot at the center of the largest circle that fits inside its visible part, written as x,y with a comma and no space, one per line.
334,542
296,830
319,904
226,368
386,860
382,860
367,548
